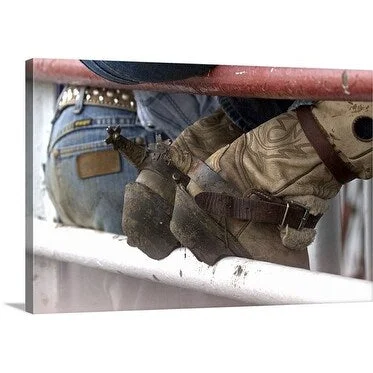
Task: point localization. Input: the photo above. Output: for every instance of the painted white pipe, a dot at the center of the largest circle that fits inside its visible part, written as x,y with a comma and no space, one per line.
353,246
325,252
252,282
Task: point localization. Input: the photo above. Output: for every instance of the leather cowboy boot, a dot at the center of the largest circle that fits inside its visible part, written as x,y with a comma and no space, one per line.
261,196
148,202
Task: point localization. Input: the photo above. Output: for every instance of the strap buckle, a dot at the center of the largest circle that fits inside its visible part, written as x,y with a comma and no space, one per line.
304,218
285,214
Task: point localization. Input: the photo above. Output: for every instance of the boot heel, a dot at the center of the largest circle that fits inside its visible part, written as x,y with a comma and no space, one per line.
146,221
200,233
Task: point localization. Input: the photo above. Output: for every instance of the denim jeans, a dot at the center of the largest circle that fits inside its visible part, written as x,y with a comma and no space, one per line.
95,201
172,113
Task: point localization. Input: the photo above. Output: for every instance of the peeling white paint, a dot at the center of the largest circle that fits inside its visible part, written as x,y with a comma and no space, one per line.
249,281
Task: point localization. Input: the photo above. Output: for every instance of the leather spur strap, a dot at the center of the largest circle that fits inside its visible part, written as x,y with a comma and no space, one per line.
258,208
323,147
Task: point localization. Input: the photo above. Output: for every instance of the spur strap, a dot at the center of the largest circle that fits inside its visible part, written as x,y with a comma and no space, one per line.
339,169
258,207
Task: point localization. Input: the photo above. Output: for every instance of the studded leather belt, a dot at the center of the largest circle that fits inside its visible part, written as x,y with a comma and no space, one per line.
80,96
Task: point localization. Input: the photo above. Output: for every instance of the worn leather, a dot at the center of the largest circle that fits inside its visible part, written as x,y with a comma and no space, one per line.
257,207
197,142
341,171
277,158
337,120
149,202
203,138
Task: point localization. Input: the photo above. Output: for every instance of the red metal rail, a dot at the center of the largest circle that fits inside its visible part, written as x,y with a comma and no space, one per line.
244,81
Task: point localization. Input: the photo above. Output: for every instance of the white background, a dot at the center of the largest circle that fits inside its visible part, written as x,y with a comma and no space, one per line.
276,33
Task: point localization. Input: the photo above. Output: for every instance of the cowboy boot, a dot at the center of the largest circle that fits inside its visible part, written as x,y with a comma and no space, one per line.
148,202
261,196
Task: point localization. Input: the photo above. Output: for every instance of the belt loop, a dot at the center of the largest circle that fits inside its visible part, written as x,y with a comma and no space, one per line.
79,101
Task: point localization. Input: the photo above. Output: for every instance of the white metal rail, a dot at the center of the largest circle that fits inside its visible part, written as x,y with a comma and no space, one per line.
252,282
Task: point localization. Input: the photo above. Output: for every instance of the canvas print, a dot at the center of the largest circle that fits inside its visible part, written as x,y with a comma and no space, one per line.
168,185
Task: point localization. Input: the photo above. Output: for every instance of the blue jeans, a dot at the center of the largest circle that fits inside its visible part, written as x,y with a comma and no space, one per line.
82,195
92,197
172,113
246,113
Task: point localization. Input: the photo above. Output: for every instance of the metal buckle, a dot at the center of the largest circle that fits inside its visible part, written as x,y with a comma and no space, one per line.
304,217
285,214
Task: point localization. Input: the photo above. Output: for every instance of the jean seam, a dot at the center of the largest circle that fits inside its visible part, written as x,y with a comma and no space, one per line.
70,128
62,135
84,148
166,120
62,205
177,109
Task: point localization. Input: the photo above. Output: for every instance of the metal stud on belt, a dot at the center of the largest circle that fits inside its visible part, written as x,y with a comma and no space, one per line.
117,98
